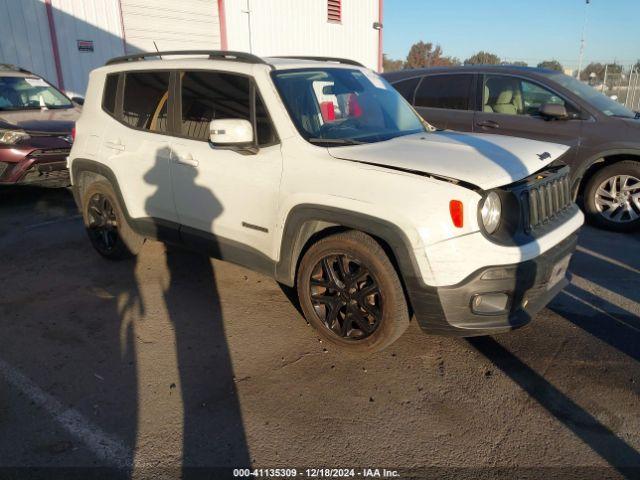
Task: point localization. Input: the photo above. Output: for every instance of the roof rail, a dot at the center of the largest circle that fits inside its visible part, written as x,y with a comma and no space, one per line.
212,54
346,61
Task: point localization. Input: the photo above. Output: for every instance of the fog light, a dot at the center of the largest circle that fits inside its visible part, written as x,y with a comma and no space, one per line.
489,303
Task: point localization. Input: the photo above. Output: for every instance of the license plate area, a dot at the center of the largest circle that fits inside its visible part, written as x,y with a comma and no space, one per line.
558,272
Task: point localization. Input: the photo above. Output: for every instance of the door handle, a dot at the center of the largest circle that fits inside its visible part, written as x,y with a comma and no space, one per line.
115,145
488,124
187,160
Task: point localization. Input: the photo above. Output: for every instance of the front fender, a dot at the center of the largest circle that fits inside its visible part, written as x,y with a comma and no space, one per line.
303,221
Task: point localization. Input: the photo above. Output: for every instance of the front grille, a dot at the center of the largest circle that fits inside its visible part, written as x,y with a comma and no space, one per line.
54,152
546,199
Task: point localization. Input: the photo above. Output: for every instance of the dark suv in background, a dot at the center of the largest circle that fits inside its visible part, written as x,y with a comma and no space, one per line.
543,105
36,125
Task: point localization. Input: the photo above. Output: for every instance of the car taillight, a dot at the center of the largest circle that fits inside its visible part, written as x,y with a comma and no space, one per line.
457,213
73,133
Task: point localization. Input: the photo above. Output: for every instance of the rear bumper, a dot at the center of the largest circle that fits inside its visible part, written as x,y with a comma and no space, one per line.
448,310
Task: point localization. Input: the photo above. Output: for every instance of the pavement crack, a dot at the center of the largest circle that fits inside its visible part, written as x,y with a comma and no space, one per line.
304,355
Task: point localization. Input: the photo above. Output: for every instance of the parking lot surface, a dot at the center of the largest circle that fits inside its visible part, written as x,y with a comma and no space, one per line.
173,360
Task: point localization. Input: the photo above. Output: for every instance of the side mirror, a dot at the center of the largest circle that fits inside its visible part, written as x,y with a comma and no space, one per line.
231,132
78,100
554,110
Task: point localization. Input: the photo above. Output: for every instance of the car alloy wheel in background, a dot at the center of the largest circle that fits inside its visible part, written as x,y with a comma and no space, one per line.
618,198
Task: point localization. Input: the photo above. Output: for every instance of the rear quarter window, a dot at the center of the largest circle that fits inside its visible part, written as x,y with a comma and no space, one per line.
109,95
407,87
452,92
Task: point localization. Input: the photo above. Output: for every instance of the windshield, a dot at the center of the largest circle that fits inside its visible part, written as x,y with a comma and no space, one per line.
603,103
30,93
336,106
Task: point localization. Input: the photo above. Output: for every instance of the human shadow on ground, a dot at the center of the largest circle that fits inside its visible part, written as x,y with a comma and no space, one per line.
213,432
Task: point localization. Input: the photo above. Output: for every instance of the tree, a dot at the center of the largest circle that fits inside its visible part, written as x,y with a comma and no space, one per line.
593,67
636,67
450,62
551,65
483,58
516,63
391,65
423,55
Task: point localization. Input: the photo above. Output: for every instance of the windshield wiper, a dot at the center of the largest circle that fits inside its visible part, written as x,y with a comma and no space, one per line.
336,141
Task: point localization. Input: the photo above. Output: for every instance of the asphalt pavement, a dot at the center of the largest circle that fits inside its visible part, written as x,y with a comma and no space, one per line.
173,363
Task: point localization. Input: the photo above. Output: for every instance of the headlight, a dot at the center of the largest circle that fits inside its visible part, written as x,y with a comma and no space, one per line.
9,137
491,211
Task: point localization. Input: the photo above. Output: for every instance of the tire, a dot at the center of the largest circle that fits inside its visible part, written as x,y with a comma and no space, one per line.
108,230
351,294
595,203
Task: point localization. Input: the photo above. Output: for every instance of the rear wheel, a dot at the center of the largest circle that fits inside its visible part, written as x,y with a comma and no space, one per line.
350,292
612,197
108,230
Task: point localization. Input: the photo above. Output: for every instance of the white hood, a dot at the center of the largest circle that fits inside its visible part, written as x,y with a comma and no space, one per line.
487,161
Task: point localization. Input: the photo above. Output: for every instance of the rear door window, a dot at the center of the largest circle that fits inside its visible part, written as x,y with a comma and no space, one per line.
451,92
109,95
146,101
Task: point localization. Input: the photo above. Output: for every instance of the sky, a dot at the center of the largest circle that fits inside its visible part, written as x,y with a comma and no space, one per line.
525,30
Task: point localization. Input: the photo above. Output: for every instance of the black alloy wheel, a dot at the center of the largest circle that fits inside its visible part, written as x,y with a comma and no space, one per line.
346,297
102,223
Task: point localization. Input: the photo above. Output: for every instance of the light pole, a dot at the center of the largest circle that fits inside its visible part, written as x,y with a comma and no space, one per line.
584,31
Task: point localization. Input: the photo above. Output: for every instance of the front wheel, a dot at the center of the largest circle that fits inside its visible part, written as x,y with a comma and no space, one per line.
350,292
612,197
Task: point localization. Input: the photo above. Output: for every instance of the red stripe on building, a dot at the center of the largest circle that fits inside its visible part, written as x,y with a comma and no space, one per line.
223,25
54,43
124,35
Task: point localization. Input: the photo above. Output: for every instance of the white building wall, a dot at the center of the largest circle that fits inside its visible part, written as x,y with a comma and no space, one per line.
172,24
25,39
94,20
300,27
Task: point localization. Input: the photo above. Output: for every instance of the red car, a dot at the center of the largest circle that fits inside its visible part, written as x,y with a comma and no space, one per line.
36,130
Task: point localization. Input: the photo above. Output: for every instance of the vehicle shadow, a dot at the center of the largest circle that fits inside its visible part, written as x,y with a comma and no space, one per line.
615,451
608,260
213,432
604,320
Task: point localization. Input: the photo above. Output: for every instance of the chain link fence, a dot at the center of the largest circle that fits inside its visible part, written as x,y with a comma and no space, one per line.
623,87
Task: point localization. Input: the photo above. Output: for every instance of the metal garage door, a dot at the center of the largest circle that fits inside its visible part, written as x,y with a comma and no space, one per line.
187,24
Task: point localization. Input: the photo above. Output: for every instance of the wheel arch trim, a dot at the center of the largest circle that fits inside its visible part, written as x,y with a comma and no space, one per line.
306,220
599,157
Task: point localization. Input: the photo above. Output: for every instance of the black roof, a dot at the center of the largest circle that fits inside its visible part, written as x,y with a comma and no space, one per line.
415,72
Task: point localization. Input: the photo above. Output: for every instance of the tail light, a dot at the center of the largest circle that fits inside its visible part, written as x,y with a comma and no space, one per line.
73,134
456,211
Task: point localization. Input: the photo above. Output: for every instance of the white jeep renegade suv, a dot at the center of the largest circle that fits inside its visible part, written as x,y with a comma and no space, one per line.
316,172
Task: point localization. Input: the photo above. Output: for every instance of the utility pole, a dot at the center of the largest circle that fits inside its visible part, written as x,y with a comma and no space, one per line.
582,40
248,12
